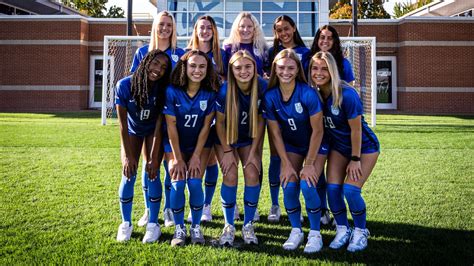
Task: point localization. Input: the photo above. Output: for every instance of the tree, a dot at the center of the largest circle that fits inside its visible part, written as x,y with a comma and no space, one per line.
95,8
402,9
365,10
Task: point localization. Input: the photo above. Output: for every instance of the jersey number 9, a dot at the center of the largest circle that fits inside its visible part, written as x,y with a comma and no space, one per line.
292,124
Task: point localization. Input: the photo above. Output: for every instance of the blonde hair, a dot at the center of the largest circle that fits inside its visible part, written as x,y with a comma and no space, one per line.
336,81
154,29
232,100
216,52
259,42
286,53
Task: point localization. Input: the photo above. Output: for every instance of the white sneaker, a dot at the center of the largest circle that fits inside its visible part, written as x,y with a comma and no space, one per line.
236,213
153,232
144,220
124,232
325,218
275,213
256,217
168,217
179,237
301,217
295,239
197,237
315,242
190,217
206,213
248,234
228,235
342,237
358,240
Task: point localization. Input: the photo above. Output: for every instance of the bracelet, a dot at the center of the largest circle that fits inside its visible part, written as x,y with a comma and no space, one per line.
355,158
228,151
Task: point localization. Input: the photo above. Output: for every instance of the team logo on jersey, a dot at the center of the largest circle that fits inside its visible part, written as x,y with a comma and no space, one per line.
334,110
175,57
298,108
256,52
300,56
203,105
258,103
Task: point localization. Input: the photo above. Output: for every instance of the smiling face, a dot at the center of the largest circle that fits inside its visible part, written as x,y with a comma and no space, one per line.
165,27
320,73
286,70
325,41
196,68
285,32
157,68
204,30
246,30
243,70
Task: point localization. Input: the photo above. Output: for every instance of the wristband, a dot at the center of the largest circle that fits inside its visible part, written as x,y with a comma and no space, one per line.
355,158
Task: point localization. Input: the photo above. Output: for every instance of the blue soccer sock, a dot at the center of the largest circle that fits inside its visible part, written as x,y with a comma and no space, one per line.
145,185
177,201
313,205
356,205
196,199
126,198
155,192
291,199
251,195
321,187
228,198
274,178
167,186
212,174
337,205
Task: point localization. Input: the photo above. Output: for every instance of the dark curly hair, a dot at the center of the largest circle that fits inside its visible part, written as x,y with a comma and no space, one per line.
141,87
180,79
336,50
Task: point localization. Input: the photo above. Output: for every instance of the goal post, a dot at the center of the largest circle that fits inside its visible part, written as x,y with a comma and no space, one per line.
119,51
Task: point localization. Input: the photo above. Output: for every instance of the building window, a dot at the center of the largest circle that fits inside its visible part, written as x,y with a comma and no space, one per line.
386,82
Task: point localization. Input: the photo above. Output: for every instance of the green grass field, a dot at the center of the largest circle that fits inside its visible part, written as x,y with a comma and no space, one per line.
59,176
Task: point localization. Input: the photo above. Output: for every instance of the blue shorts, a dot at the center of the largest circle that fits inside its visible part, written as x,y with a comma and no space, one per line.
324,148
297,150
366,148
211,139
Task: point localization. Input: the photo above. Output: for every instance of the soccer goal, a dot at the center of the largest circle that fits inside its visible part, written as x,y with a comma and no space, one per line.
119,51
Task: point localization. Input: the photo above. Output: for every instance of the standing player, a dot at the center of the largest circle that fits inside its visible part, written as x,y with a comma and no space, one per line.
189,111
294,115
285,35
139,100
354,151
163,38
205,38
240,128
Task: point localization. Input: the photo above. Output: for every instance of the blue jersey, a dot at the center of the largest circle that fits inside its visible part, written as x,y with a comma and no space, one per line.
141,122
301,51
260,59
244,138
142,51
293,116
190,114
337,126
347,75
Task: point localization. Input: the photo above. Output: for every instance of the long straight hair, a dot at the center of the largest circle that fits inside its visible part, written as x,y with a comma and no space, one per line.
296,35
154,32
194,42
336,49
232,100
286,53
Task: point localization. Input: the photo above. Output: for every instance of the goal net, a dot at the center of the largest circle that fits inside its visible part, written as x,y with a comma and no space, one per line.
119,51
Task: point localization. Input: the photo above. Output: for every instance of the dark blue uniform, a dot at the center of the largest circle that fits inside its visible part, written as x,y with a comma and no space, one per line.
142,51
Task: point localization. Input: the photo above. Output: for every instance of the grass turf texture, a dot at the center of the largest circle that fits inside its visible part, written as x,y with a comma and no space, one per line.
59,176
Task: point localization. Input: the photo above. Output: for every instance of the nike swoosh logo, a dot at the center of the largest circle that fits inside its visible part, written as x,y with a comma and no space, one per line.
177,105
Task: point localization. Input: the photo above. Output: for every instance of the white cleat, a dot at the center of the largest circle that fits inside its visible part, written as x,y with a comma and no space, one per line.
236,213
248,234
342,237
295,239
144,220
197,237
179,237
228,235
325,218
190,217
206,213
124,232
168,217
358,240
275,213
256,217
315,242
153,233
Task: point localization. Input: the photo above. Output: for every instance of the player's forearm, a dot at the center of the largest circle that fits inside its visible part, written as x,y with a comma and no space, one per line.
315,139
221,131
356,135
257,141
123,126
157,139
203,135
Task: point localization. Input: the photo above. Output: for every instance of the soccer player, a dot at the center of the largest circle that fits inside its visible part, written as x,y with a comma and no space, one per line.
285,35
205,38
240,129
294,115
139,100
354,150
189,111
163,37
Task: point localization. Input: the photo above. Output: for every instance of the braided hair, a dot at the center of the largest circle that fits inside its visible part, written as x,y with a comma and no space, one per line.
141,86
